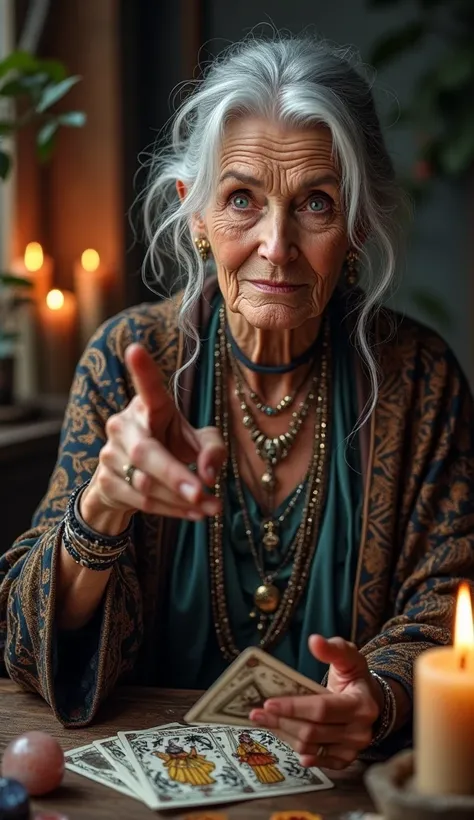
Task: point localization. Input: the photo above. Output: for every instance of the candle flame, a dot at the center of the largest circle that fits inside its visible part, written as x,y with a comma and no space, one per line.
464,627
33,256
55,299
90,260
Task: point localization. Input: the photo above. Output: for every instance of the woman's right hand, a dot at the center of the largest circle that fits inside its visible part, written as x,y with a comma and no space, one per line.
152,435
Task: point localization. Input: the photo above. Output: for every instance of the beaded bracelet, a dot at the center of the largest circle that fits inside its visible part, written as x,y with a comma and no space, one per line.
386,721
79,526
87,561
87,547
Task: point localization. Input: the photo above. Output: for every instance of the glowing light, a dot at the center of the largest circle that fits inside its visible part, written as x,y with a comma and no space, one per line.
90,260
464,627
33,256
55,299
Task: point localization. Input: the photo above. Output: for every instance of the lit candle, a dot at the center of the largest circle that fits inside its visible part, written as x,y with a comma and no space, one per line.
92,285
36,267
58,316
444,710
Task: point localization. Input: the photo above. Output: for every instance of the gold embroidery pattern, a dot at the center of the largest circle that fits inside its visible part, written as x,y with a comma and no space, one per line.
420,521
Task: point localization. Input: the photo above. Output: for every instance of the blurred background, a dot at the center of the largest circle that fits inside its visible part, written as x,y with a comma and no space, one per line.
85,85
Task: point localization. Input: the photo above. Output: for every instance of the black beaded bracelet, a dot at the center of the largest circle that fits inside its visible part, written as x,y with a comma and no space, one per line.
89,562
79,526
87,547
387,718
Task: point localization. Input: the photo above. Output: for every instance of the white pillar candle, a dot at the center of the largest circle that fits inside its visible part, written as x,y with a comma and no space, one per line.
444,710
36,268
92,285
58,319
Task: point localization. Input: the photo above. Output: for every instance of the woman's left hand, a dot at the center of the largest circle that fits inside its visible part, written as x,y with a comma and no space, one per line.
329,729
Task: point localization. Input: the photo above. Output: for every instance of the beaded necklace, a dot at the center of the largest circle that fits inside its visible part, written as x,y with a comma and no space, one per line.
275,609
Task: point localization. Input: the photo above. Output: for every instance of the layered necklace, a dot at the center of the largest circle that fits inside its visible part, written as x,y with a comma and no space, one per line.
274,609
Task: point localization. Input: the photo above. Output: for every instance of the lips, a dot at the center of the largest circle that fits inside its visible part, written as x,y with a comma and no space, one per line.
266,286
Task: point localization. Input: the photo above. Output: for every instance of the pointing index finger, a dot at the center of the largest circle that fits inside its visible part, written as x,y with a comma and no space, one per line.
146,377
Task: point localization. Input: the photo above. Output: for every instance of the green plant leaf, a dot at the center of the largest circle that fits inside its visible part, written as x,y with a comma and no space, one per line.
55,70
5,165
432,305
13,88
10,280
396,43
55,92
19,61
6,127
45,139
75,119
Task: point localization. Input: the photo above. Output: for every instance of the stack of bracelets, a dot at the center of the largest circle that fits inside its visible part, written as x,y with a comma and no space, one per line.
87,547
386,721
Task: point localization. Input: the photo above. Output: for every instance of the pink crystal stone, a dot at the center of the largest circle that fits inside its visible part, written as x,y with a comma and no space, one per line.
36,760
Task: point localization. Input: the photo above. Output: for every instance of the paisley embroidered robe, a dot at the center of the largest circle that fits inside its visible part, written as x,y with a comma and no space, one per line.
417,534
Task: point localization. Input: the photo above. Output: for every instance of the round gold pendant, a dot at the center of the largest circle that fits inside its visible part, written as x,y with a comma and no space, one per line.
267,597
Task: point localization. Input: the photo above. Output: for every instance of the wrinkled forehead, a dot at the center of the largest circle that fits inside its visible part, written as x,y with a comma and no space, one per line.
276,154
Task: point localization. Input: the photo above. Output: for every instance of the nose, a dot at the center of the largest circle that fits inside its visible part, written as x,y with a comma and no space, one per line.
277,244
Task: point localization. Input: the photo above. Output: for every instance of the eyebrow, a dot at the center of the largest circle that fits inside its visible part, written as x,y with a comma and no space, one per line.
246,179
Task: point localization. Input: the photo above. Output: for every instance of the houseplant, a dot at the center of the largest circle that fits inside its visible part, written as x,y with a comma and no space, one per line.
30,87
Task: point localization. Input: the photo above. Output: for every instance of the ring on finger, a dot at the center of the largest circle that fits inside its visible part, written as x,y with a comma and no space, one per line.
128,470
322,751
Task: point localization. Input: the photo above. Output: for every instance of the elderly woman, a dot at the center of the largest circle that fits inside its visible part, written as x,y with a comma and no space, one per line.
308,485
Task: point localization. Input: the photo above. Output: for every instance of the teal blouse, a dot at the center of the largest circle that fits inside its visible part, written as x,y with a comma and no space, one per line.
193,656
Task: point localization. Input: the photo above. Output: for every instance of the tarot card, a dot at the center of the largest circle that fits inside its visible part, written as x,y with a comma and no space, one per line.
269,764
252,678
90,762
185,767
113,750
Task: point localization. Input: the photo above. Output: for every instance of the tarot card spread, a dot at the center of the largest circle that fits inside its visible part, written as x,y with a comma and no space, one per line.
195,766
252,678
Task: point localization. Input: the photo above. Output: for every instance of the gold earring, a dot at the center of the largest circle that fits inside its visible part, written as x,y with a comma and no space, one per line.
203,246
352,272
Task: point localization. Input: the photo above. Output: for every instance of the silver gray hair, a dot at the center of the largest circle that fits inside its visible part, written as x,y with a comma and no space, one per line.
301,81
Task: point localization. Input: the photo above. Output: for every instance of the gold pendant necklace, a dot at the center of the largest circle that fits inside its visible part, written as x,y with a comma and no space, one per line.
280,605
271,449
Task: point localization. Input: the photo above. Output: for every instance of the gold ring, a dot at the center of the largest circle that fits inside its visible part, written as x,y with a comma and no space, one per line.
128,470
322,751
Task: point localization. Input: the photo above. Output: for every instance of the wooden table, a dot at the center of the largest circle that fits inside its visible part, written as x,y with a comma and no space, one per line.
140,708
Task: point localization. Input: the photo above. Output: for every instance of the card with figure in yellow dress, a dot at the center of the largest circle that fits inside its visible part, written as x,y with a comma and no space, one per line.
199,765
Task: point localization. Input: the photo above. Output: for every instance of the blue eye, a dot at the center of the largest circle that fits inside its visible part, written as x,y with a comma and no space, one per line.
240,201
317,204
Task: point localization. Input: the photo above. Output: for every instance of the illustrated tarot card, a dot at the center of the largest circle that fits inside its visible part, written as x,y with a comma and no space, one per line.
114,751
186,767
252,678
90,762
269,764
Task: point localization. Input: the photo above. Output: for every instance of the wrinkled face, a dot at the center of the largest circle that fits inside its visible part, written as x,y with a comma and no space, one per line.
276,223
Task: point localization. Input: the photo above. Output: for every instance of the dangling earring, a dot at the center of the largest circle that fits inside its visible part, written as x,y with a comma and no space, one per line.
203,246
352,272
